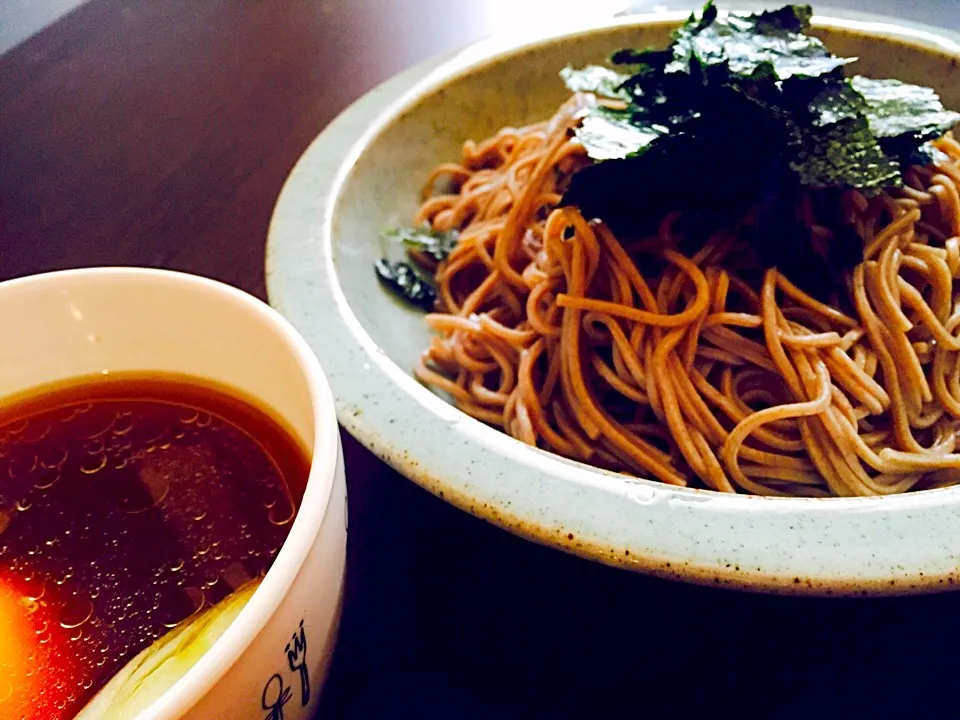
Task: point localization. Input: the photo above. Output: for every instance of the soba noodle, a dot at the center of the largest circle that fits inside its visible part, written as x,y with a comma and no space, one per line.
702,368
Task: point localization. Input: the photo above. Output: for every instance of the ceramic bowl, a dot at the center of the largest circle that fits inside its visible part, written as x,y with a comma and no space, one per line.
364,173
77,323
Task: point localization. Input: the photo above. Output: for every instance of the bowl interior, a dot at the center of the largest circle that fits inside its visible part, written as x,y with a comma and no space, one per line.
383,187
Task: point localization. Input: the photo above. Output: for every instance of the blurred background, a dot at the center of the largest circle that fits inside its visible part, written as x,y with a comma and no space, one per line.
460,20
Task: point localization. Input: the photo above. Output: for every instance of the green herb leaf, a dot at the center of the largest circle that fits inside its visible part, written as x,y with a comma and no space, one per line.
789,18
611,135
897,108
738,45
644,62
665,99
844,155
435,243
687,170
737,118
405,281
833,146
905,118
595,79
926,154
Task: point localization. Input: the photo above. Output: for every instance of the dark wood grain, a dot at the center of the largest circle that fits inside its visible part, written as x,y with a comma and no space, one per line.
159,133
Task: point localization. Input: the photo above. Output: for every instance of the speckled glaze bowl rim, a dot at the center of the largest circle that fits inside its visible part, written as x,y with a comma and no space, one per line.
301,277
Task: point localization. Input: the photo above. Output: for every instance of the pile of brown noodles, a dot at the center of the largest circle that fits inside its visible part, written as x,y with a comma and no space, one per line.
708,367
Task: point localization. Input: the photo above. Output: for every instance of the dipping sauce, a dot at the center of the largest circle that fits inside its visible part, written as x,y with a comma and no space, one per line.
127,504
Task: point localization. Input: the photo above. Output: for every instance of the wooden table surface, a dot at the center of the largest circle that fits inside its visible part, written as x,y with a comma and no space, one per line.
159,132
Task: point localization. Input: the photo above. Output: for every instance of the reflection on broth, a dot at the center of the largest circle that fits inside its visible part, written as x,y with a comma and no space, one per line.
127,505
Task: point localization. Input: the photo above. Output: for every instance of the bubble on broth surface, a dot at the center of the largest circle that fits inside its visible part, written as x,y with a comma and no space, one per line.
95,423
282,512
122,424
52,456
93,464
47,477
36,430
76,611
21,462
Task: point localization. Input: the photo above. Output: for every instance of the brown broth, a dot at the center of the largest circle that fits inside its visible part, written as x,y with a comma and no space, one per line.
127,504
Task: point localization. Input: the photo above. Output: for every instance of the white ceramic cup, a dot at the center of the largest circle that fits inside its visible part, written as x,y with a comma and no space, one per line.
73,323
